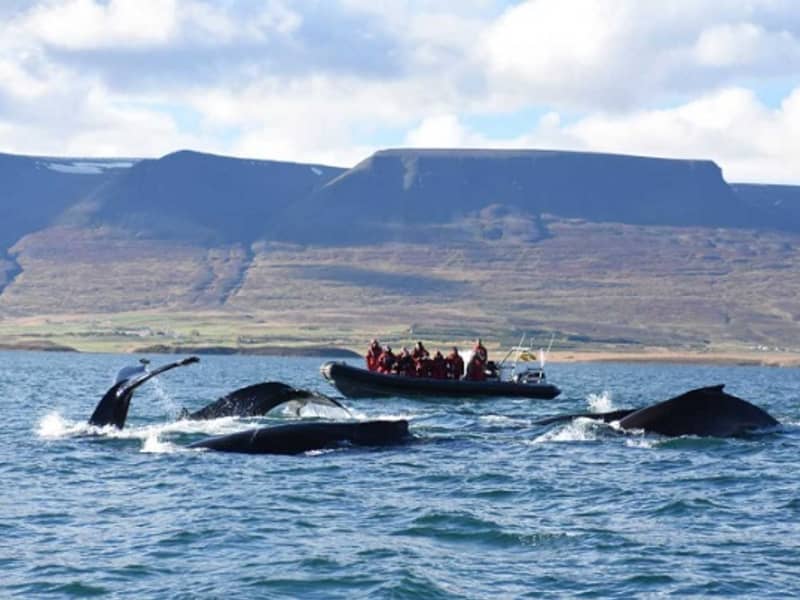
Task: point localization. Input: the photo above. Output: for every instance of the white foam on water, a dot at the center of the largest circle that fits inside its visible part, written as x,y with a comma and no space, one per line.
309,410
221,426
53,426
642,442
602,402
319,452
357,415
578,430
502,420
153,445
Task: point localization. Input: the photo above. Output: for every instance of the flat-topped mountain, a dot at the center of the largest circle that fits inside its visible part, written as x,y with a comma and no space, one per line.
399,194
394,195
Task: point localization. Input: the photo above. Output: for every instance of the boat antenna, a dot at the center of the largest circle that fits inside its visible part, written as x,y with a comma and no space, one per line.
513,348
542,354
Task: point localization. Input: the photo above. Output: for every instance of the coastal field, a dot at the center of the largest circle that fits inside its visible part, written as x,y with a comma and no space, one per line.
223,333
598,290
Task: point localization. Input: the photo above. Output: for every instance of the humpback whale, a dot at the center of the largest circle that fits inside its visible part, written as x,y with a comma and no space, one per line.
250,401
254,400
113,406
296,438
257,399
704,412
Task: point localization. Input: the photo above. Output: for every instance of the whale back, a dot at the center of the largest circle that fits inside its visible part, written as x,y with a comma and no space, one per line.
255,400
708,411
296,438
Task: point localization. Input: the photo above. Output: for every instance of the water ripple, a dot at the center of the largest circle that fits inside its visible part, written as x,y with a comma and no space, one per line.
483,503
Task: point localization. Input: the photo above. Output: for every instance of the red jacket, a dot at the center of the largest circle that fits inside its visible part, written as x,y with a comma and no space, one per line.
373,359
455,365
386,362
475,369
438,367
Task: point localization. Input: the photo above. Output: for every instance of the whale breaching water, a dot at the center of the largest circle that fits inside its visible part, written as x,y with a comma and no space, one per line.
704,412
113,406
253,400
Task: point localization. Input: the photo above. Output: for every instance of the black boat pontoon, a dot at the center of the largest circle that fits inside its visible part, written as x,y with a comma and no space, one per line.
355,382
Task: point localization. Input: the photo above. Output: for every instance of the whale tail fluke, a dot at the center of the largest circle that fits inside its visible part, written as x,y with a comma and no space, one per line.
113,406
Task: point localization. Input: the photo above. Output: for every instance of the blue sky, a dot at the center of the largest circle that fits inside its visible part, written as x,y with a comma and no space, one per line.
332,81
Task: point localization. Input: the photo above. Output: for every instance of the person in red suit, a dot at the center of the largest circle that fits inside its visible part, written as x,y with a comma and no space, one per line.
387,361
476,369
373,356
454,364
438,366
405,364
480,350
419,352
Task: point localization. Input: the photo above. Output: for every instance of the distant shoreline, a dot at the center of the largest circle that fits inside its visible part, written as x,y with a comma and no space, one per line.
312,351
661,356
251,351
732,358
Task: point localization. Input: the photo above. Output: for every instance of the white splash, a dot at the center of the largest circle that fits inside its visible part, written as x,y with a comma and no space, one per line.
320,452
578,430
153,445
53,426
642,442
503,420
309,410
167,401
221,426
601,402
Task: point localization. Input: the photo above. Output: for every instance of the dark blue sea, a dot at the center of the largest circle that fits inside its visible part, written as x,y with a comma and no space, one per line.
483,504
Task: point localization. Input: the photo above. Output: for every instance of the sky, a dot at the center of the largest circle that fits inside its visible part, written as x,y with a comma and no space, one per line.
332,81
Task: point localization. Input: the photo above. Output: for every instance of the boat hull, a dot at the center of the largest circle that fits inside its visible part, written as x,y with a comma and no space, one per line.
354,382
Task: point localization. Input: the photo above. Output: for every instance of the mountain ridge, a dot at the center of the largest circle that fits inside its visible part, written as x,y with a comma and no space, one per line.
609,249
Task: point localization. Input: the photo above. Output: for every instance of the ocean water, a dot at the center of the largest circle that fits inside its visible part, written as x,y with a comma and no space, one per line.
482,503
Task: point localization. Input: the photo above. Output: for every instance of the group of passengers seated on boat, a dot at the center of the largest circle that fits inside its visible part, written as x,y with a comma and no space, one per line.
419,363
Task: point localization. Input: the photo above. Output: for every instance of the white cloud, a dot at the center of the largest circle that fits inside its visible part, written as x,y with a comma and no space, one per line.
747,45
751,142
440,131
92,25
80,24
617,54
333,81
